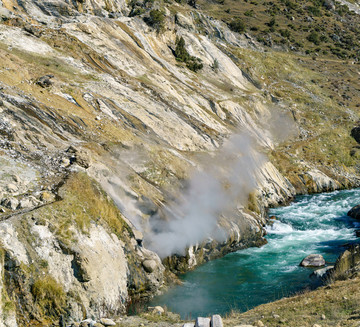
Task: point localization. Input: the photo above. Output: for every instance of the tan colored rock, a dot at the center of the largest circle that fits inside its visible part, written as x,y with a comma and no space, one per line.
47,197
107,322
149,265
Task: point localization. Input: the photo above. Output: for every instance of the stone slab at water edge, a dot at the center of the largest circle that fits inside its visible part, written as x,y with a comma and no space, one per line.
214,321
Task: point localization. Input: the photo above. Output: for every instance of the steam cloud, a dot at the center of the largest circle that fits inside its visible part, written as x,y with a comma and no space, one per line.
229,178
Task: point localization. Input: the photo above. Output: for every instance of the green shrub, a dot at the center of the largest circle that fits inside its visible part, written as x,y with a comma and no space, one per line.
237,25
285,33
156,19
180,52
314,38
193,63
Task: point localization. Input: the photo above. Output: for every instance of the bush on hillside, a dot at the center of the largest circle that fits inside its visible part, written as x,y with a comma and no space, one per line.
237,25
156,19
181,54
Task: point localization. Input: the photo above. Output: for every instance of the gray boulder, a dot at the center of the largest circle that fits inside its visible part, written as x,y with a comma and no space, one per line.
44,81
10,203
25,203
354,212
313,260
107,322
202,322
149,265
321,273
216,321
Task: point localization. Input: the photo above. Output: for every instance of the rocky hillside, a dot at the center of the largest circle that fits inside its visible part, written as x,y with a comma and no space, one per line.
149,125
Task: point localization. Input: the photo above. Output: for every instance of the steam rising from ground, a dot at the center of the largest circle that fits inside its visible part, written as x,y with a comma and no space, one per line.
226,180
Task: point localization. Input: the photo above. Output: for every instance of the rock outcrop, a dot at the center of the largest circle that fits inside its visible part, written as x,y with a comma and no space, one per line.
101,129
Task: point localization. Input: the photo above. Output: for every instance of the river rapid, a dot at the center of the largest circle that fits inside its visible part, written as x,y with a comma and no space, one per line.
244,279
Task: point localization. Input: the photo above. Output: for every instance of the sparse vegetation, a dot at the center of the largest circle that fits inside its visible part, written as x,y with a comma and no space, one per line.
181,55
327,306
237,25
156,19
267,21
49,296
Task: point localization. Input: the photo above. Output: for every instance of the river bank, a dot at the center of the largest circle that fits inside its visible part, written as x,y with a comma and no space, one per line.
332,305
242,280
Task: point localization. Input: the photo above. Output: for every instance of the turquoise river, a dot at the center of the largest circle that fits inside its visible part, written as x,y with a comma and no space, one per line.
311,224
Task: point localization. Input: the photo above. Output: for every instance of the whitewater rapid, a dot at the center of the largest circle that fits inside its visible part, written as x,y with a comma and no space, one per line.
311,224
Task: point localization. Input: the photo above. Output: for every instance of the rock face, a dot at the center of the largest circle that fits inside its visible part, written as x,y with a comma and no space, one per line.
313,260
101,129
347,265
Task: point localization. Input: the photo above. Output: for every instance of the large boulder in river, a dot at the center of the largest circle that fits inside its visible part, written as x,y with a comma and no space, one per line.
313,260
354,212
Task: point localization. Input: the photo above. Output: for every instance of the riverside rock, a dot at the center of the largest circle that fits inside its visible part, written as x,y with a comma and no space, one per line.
149,265
202,322
321,273
107,322
216,321
354,212
313,260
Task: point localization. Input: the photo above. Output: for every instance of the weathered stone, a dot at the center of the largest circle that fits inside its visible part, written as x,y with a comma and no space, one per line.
44,81
64,162
320,273
275,316
354,212
25,203
216,321
202,322
184,21
10,203
149,265
107,322
259,323
313,260
47,197
157,310
12,188
188,324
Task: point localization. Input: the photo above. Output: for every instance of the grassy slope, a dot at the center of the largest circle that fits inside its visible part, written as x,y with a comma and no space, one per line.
288,24
338,303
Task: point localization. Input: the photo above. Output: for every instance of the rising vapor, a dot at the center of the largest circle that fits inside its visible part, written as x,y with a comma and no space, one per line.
224,182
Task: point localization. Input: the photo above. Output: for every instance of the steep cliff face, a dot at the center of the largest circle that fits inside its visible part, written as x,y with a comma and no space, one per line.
102,131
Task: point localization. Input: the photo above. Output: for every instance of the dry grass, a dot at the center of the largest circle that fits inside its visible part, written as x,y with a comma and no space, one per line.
49,296
339,303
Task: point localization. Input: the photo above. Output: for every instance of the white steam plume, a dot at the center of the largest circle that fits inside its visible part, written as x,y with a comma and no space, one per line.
225,182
